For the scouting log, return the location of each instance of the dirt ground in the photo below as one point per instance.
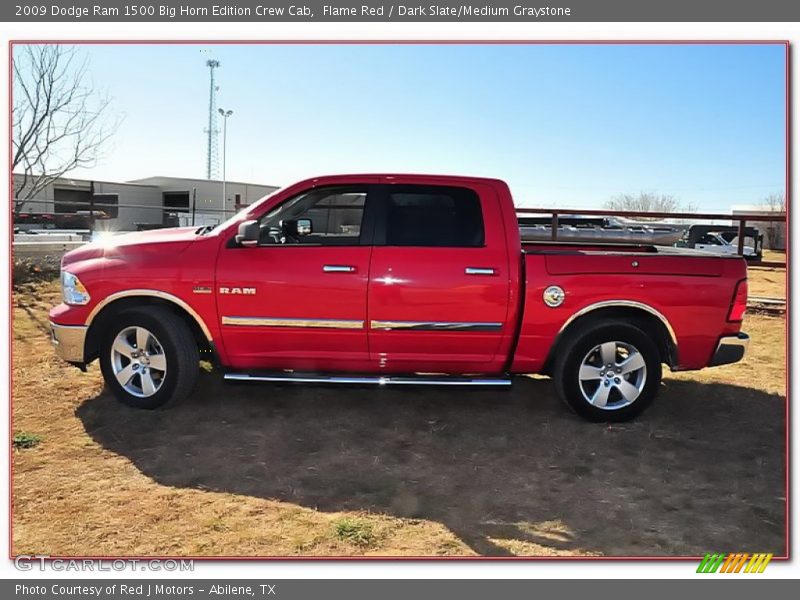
(274, 470)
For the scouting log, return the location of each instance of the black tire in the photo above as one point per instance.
(576, 347)
(179, 349)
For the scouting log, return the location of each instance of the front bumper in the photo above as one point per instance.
(730, 349)
(69, 341)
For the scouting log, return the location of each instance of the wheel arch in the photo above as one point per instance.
(101, 315)
(647, 318)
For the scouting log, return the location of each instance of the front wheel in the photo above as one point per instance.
(608, 372)
(149, 357)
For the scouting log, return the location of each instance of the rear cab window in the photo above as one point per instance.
(432, 216)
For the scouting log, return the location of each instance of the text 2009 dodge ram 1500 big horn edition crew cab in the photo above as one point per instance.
(395, 279)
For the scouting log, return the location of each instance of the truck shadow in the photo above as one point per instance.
(702, 470)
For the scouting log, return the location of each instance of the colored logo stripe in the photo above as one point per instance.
(734, 563)
(710, 563)
(758, 563)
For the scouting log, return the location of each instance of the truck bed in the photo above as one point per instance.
(689, 289)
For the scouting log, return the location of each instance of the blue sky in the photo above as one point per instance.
(565, 125)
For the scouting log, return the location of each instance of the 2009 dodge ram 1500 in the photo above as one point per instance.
(395, 279)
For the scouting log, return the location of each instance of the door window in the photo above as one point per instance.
(331, 216)
(433, 216)
(709, 240)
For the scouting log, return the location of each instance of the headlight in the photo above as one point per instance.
(72, 290)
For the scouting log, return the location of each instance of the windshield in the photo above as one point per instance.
(240, 216)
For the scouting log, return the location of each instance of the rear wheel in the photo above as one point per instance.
(149, 358)
(609, 372)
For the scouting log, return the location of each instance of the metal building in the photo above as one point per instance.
(130, 205)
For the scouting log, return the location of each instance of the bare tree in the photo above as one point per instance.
(648, 202)
(774, 230)
(59, 122)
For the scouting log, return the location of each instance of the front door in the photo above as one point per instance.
(299, 299)
(439, 280)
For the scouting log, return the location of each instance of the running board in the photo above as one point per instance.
(374, 380)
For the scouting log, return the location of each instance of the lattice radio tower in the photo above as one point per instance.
(212, 154)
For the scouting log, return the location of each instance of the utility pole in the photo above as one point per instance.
(91, 209)
(225, 114)
(212, 131)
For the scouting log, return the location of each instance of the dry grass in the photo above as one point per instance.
(775, 255)
(72, 497)
(283, 471)
(770, 283)
(765, 366)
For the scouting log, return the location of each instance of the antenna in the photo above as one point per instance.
(212, 154)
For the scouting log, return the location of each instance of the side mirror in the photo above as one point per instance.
(297, 227)
(249, 232)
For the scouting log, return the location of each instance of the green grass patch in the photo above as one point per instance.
(24, 440)
(355, 531)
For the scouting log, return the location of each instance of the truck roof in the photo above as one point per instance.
(402, 178)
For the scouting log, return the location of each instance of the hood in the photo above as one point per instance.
(156, 240)
(172, 234)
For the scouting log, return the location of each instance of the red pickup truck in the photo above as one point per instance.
(395, 279)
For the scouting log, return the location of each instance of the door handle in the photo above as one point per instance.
(479, 271)
(338, 269)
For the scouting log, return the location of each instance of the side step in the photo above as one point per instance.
(372, 379)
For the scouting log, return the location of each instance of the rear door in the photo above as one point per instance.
(439, 281)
